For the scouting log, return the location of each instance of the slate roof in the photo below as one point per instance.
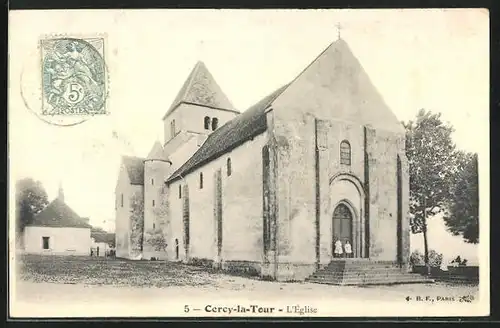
(156, 152)
(135, 169)
(246, 125)
(59, 215)
(201, 89)
(368, 105)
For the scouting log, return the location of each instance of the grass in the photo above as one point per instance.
(86, 270)
(107, 271)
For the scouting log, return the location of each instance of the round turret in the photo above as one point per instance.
(157, 168)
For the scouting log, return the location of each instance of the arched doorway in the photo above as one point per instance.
(342, 225)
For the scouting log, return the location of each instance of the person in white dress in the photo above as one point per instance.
(338, 248)
(348, 249)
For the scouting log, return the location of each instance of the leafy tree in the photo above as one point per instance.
(463, 216)
(432, 159)
(31, 199)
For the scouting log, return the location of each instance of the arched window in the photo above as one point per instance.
(122, 200)
(229, 169)
(152, 182)
(215, 123)
(153, 225)
(153, 203)
(172, 128)
(207, 123)
(201, 180)
(180, 191)
(345, 153)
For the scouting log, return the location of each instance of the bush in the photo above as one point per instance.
(156, 239)
(459, 261)
(435, 258)
(417, 258)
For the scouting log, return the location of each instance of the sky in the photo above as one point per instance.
(433, 59)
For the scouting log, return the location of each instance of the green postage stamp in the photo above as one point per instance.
(73, 77)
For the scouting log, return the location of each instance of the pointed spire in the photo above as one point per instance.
(201, 89)
(60, 192)
(156, 151)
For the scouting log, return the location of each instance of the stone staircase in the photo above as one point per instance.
(456, 279)
(364, 272)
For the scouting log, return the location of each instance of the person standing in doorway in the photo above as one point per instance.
(97, 251)
(338, 248)
(348, 249)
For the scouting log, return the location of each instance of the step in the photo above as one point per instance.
(378, 280)
(360, 270)
(371, 282)
(362, 264)
(447, 279)
(362, 274)
(403, 277)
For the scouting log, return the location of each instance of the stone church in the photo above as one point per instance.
(271, 189)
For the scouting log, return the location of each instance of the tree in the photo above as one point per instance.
(31, 199)
(463, 216)
(432, 160)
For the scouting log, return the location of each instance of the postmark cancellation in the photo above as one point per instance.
(74, 77)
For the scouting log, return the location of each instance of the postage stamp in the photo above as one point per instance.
(73, 77)
(285, 167)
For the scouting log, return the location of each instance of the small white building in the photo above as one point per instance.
(58, 230)
(102, 243)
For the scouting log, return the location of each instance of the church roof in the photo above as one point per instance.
(156, 151)
(201, 89)
(334, 71)
(135, 169)
(59, 215)
(238, 130)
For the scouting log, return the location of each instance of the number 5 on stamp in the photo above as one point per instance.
(73, 77)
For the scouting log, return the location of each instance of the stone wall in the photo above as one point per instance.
(62, 241)
(383, 149)
(175, 232)
(136, 200)
(123, 213)
(190, 117)
(332, 101)
(241, 206)
(155, 204)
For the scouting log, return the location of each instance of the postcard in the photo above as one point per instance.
(248, 163)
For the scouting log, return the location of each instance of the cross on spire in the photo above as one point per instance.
(339, 27)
